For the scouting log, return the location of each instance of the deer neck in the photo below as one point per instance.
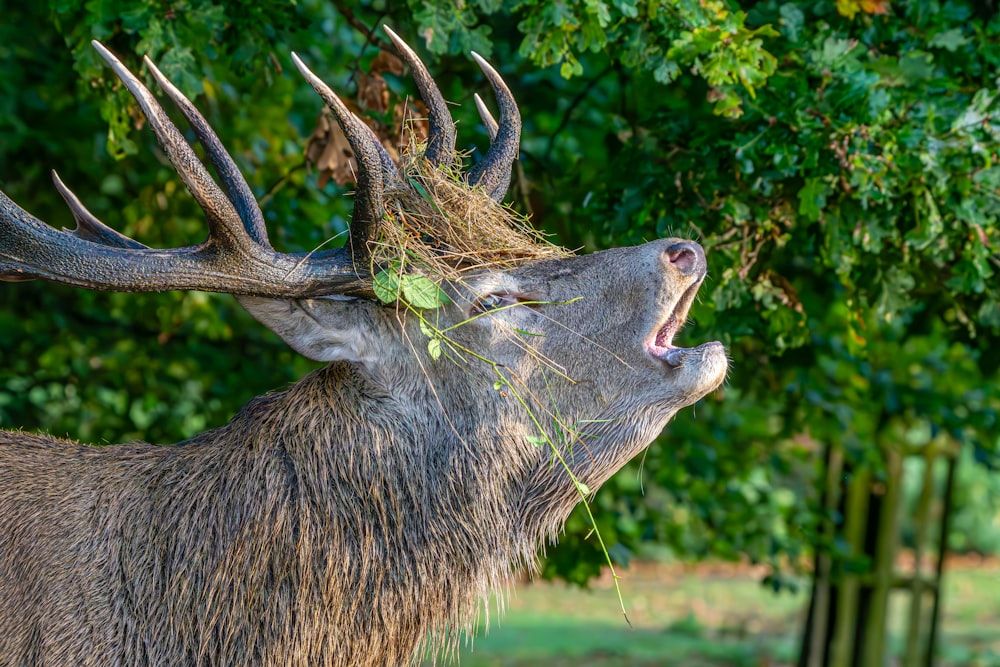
(379, 493)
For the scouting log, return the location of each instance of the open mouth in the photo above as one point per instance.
(661, 345)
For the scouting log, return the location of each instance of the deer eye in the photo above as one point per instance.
(494, 302)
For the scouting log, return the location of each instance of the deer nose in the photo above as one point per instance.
(686, 256)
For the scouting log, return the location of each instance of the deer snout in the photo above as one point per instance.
(687, 257)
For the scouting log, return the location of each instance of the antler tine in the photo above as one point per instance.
(493, 172)
(368, 206)
(88, 227)
(233, 183)
(488, 120)
(492, 128)
(441, 141)
(225, 225)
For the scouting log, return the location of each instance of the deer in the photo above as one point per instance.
(362, 516)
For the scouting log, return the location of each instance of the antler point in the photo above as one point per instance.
(104, 52)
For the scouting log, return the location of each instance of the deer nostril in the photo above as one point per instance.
(686, 256)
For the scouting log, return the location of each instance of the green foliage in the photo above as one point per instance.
(851, 218)
(449, 27)
(709, 38)
(419, 291)
(242, 33)
(841, 169)
(413, 291)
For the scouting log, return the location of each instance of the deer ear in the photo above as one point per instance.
(333, 328)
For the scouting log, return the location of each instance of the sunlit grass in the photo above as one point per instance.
(707, 616)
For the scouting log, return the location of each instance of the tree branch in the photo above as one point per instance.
(359, 25)
(580, 97)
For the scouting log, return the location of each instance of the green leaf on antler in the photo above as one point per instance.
(422, 292)
(386, 285)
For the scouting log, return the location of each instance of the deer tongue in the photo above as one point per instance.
(662, 346)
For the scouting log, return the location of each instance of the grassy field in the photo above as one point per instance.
(708, 616)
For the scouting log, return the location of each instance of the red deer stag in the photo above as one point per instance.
(360, 517)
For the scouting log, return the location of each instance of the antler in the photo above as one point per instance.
(236, 258)
(371, 158)
(493, 172)
(492, 129)
(441, 132)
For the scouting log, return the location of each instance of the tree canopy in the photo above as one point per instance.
(838, 160)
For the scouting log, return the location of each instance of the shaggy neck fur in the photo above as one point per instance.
(318, 527)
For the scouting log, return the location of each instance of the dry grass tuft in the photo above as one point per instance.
(437, 225)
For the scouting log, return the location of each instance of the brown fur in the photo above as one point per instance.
(362, 517)
(362, 514)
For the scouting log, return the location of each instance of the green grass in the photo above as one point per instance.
(971, 620)
(709, 616)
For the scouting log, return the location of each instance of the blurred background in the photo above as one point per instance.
(836, 503)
